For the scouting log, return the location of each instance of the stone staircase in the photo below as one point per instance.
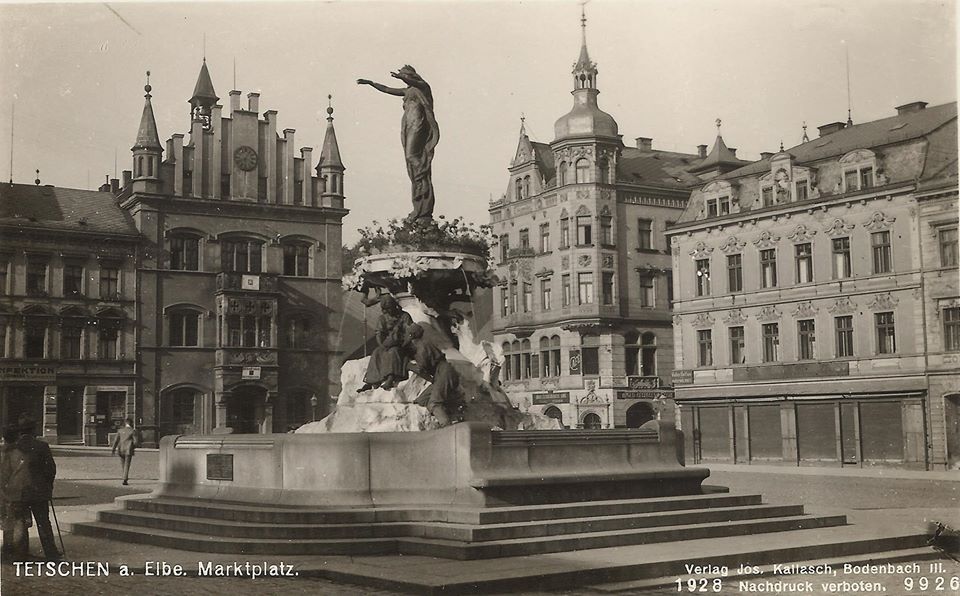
(451, 532)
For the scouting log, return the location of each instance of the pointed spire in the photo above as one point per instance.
(203, 90)
(720, 157)
(147, 136)
(523, 129)
(330, 152)
(584, 71)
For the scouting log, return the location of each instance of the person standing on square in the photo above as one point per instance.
(125, 443)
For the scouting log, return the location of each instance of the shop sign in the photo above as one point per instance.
(111, 388)
(540, 399)
(613, 382)
(646, 394)
(682, 376)
(27, 372)
(575, 362)
(250, 373)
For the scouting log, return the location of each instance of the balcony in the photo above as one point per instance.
(246, 282)
(246, 356)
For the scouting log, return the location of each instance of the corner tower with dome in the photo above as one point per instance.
(582, 309)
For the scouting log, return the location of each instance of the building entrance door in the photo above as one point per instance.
(245, 409)
(70, 415)
(951, 405)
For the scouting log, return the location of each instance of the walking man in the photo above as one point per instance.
(26, 477)
(125, 442)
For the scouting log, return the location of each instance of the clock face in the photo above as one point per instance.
(246, 158)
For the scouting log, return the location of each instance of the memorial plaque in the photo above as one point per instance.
(551, 398)
(220, 466)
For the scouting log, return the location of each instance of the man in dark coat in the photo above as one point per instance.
(125, 442)
(442, 398)
(26, 478)
(388, 363)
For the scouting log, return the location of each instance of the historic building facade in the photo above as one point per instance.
(815, 294)
(582, 311)
(68, 268)
(228, 299)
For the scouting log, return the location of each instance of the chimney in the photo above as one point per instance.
(105, 187)
(909, 108)
(253, 102)
(829, 129)
(234, 101)
(114, 185)
(127, 178)
(766, 154)
(701, 151)
(644, 143)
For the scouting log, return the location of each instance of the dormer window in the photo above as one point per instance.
(724, 205)
(712, 208)
(858, 170)
(526, 186)
(766, 196)
(801, 190)
(519, 189)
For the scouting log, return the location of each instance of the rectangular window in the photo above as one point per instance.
(850, 181)
(804, 259)
(504, 247)
(4, 267)
(36, 277)
(842, 265)
(3, 340)
(107, 344)
(844, 328)
(72, 279)
(504, 301)
(109, 282)
(806, 333)
(585, 288)
(771, 342)
(670, 288)
(514, 298)
(882, 262)
(723, 205)
(735, 273)
(801, 192)
(545, 238)
(703, 277)
(705, 347)
(712, 208)
(606, 231)
(296, 260)
(866, 178)
(886, 333)
(70, 342)
(249, 331)
(584, 230)
(564, 233)
(766, 196)
(607, 289)
(566, 291)
(647, 296)
(185, 254)
(948, 248)
(951, 329)
(524, 238)
(34, 340)
(644, 234)
(184, 329)
(768, 268)
(737, 346)
(527, 297)
(545, 294)
(591, 360)
(241, 256)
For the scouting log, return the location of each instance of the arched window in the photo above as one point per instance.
(507, 362)
(184, 327)
(632, 353)
(296, 259)
(583, 171)
(562, 174)
(526, 186)
(184, 252)
(604, 166)
(519, 189)
(545, 357)
(517, 356)
(150, 167)
(139, 166)
(555, 356)
(180, 411)
(241, 255)
(591, 421)
(555, 413)
(648, 354)
(527, 359)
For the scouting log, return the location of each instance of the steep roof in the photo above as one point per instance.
(204, 86)
(658, 168)
(147, 135)
(63, 209)
(896, 129)
(543, 155)
(330, 151)
(720, 157)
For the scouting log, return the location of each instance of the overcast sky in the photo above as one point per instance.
(668, 69)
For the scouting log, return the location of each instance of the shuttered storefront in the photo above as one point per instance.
(715, 433)
(766, 440)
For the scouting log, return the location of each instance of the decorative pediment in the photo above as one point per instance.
(766, 240)
(878, 221)
(804, 310)
(735, 317)
(732, 245)
(544, 272)
(701, 251)
(564, 214)
(703, 320)
(857, 156)
(801, 234)
(838, 228)
(883, 302)
(842, 306)
(605, 211)
(768, 313)
(582, 210)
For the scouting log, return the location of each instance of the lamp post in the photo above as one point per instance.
(313, 406)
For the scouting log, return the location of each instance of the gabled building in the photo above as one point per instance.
(814, 300)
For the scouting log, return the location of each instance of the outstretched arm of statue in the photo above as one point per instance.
(382, 88)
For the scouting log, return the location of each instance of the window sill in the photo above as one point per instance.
(653, 251)
(584, 245)
(608, 245)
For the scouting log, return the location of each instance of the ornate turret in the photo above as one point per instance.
(586, 118)
(147, 150)
(330, 167)
(204, 98)
(720, 160)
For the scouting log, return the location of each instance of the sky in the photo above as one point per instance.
(667, 70)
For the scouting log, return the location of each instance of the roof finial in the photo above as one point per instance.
(37, 181)
(805, 137)
(583, 22)
(781, 145)
(719, 122)
(523, 124)
(329, 108)
(846, 49)
(147, 87)
(204, 46)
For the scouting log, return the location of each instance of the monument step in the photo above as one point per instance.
(444, 530)
(243, 512)
(569, 542)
